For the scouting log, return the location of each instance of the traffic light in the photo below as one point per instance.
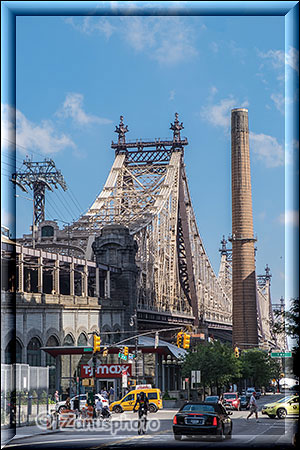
(105, 352)
(186, 340)
(179, 339)
(125, 351)
(236, 352)
(97, 342)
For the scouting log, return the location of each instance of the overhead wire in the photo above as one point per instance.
(71, 197)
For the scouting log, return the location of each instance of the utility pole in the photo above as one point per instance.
(38, 176)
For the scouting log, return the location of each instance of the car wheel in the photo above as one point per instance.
(177, 437)
(117, 409)
(152, 408)
(281, 413)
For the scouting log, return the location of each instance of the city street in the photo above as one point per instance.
(266, 433)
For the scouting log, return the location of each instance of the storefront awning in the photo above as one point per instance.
(68, 350)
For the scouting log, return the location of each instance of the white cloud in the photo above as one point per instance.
(172, 95)
(278, 58)
(290, 217)
(72, 107)
(279, 102)
(90, 25)
(219, 114)
(168, 40)
(266, 148)
(42, 137)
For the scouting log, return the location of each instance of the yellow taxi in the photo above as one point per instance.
(287, 406)
(128, 401)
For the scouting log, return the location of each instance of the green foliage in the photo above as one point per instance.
(259, 367)
(216, 361)
(166, 396)
(289, 323)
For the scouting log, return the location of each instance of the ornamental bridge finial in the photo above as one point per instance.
(176, 127)
(121, 130)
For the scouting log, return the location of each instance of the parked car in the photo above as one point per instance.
(287, 406)
(82, 402)
(250, 391)
(258, 393)
(212, 398)
(244, 402)
(232, 400)
(202, 419)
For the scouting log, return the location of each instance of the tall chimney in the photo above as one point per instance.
(244, 310)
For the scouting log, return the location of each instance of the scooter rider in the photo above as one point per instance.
(143, 404)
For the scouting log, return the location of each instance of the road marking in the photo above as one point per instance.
(121, 441)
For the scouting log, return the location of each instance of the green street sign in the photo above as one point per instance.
(88, 349)
(281, 354)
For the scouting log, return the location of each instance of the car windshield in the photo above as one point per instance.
(229, 396)
(212, 398)
(285, 399)
(243, 397)
(198, 408)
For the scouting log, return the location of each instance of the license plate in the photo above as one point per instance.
(194, 421)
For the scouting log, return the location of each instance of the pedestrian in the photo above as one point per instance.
(56, 396)
(99, 406)
(111, 394)
(253, 407)
(68, 403)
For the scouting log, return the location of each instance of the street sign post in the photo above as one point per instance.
(281, 354)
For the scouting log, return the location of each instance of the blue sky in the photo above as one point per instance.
(77, 75)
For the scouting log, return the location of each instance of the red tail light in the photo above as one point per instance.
(215, 422)
(175, 420)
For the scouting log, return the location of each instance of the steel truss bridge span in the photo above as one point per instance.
(147, 191)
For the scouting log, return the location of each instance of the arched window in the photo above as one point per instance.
(68, 340)
(51, 362)
(47, 231)
(13, 352)
(19, 358)
(82, 339)
(34, 352)
(51, 342)
(117, 335)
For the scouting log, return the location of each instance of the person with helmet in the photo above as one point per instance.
(143, 407)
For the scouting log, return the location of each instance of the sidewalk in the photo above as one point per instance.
(21, 432)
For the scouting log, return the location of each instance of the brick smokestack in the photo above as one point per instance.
(244, 314)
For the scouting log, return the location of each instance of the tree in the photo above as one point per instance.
(290, 326)
(217, 364)
(258, 367)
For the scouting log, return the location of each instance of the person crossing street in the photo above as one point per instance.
(253, 407)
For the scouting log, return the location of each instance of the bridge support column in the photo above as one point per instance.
(116, 247)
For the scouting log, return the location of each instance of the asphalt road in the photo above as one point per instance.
(122, 433)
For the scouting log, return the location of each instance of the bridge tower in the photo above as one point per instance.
(244, 298)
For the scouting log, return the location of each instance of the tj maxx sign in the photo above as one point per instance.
(105, 370)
